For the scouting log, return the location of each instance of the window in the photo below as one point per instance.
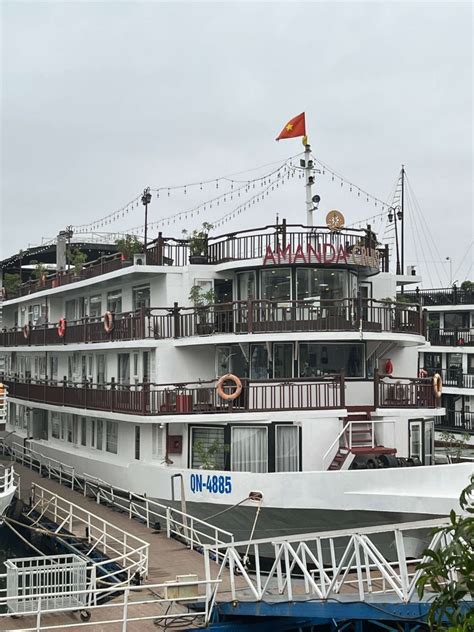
(75, 428)
(282, 360)
(249, 449)
(100, 367)
(140, 297)
(137, 443)
(454, 320)
(232, 359)
(319, 359)
(432, 362)
(245, 286)
(70, 310)
(55, 425)
(135, 367)
(111, 437)
(83, 430)
(42, 366)
(207, 448)
(95, 306)
(53, 367)
(323, 284)
(258, 362)
(276, 284)
(156, 441)
(421, 440)
(66, 428)
(114, 301)
(146, 366)
(99, 433)
(286, 449)
(470, 364)
(123, 373)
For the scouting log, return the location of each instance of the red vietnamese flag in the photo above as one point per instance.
(294, 128)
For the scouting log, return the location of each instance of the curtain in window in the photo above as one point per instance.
(286, 449)
(249, 450)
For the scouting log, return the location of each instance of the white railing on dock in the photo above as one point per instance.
(322, 565)
(191, 530)
(128, 552)
(160, 603)
(8, 479)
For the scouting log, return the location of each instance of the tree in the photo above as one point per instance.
(129, 246)
(449, 572)
(77, 259)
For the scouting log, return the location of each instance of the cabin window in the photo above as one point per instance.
(53, 368)
(111, 436)
(245, 285)
(99, 433)
(282, 360)
(323, 284)
(157, 441)
(95, 306)
(432, 362)
(320, 359)
(259, 362)
(55, 425)
(287, 449)
(232, 359)
(207, 448)
(249, 451)
(140, 297)
(114, 301)
(470, 364)
(100, 366)
(421, 440)
(453, 320)
(83, 430)
(123, 368)
(276, 284)
(66, 428)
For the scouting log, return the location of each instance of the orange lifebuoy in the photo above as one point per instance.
(26, 331)
(220, 387)
(437, 385)
(422, 373)
(108, 322)
(62, 327)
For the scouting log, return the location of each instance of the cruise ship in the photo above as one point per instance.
(269, 372)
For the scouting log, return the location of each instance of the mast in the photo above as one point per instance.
(402, 229)
(309, 181)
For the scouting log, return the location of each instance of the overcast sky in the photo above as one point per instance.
(100, 100)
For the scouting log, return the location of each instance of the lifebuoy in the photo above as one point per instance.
(388, 367)
(108, 322)
(437, 385)
(220, 387)
(62, 328)
(26, 331)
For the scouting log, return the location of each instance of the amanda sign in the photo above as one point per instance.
(325, 253)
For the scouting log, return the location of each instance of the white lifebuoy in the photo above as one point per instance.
(220, 387)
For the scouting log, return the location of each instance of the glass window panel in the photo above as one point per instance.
(71, 310)
(276, 284)
(111, 437)
(99, 433)
(282, 360)
(245, 285)
(123, 368)
(258, 362)
(207, 448)
(114, 301)
(456, 319)
(323, 284)
(55, 425)
(249, 449)
(432, 362)
(100, 363)
(83, 431)
(287, 449)
(318, 359)
(140, 297)
(157, 441)
(95, 306)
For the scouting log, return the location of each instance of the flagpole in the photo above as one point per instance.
(309, 181)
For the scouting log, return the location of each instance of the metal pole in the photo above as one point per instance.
(402, 231)
(146, 199)
(309, 180)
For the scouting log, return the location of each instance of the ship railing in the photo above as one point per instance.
(451, 336)
(441, 296)
(9, 479)
(404, 392)
(345, 437)
(51, 607)
(147, 398)
(126, 554)
(183, 526)
(325, 564)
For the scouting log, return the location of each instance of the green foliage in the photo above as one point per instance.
(449, 571)
(39, 271)
(454, 443)
(197, 240)
(467, 286)
(129, 246)
(11, 283)
(77, 259)
(200, 298)
(208, 456)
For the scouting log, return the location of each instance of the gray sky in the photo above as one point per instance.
(101, 99)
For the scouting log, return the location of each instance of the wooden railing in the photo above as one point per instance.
(401, 392)
(238, 317)
(359, 245)
(442, 296)
(455, 337)
(456, 420)
(185, 398)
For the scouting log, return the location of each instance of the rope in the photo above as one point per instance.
(18, 534)
(246, 556)
(224, 510)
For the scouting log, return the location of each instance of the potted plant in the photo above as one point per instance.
(129, 246)
(11, 283)
(39, 273)
(197, 241)
(208, 456)
(77, 259)
(202, 301)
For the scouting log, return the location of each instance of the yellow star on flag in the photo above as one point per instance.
(289, 127)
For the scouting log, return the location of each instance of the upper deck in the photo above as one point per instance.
(280, 244)
(441, 296)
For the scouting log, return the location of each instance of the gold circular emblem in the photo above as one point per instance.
(335, 220)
